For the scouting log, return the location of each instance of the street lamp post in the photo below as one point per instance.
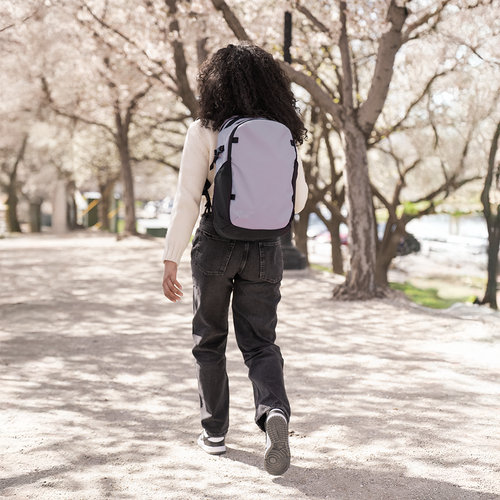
(292, 257)
(287, 42)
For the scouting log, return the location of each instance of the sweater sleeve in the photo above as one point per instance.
(301, 189)
(194, 169)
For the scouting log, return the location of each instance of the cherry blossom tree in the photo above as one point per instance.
(138, 42)
(19, 103)
(107, 91)
(363, 39)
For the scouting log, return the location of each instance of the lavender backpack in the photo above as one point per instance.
(254, 187)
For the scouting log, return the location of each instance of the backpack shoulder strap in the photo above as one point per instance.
(208, 203)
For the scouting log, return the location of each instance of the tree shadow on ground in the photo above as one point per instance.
(343, 483)
(99, 394)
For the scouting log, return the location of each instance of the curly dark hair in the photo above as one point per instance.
(245, 80)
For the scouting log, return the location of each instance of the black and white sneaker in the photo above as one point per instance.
(277, 455)
(212, 445)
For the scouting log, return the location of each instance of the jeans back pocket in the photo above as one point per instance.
(211, 253)
(271, 261)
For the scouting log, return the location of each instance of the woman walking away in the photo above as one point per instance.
(239, 82)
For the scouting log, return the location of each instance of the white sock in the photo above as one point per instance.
(213, 439)
(276, 411)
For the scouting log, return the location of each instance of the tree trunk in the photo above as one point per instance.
(201, 50)
(128, 190)
(490, 296)
(386, 252)
(127, 175)
(493, 223)
(12, 200)
(337, 259)
(360, 283)
(35, 216)
(72, 209)
(356, 125)
(300, 231)
(60, 207)
(300, 234)
(106, 191)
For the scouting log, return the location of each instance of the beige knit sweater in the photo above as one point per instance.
(197, 156)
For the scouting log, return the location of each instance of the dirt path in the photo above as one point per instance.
(98, 397)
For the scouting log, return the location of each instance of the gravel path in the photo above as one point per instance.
(98, 397)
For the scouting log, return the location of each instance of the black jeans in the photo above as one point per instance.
(251, 272)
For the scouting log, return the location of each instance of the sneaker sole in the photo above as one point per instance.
(211, 450)
(277, 457)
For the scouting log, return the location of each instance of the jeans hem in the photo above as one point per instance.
(210, 434)
(260, 419)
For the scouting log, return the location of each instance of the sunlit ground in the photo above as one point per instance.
(389, 400)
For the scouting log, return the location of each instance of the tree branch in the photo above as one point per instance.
(389, 45)
(157, 160)
(316, 22)
(334, 210)
(383, 199)
(184, 89)
(20, 156)
(448, 187)
(331, 157)
(181, 80)
(55, 109)
(27, 18)
(485, 194)
(133, 103)
(422, 20)
(396, 126)
(232, 21)
(114, 30)
(346, 62)
(321, 98)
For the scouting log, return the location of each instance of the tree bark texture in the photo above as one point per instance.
(128, 184)
(389, 44)
(72, 210)
(493, 264)
(231, 20)
(201, 50)
(122, 144)
(12, 201)
(493, 224)
(490, 296)
(183, 87)
(35, 216)
(60, 207)
(300, 231)
(386, 252)
(333, 226)
(336, 247)
(360, 282)
(12, 197)
(106, 191)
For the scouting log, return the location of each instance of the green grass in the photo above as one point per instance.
(427, 297)
(318, 267)
(120, 225)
